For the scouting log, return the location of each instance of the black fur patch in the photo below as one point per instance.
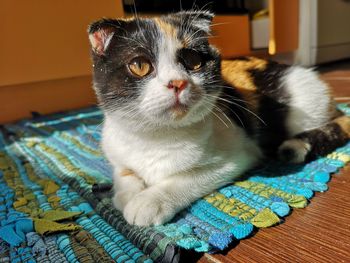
(273, 106)
(323, 140)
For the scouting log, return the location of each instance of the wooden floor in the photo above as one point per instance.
(318, 233)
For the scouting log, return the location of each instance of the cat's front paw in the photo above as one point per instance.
(127, 185)
(148, 208)
(121, 198)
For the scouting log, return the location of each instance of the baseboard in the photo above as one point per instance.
(331, 53)
(18, 101)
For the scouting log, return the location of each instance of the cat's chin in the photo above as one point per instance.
(182, 115)
(178, 111)
(174, 116)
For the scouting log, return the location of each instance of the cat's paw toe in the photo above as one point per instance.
(147, 209)
(293, 151)
(121, 198)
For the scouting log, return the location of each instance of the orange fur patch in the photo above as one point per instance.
(127, 172)
(344, 123)
(236, 72)
(167, 28)
(128, 18)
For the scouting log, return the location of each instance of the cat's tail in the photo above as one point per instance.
(311, 144)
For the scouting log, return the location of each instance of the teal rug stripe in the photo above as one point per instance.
(64, 149)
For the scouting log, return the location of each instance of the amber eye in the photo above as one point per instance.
(191, 59)
(140, 66)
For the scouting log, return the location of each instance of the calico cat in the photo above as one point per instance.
(180, 123)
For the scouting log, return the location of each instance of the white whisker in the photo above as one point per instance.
(242, 107)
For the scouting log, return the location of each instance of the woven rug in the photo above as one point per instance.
(55, 206)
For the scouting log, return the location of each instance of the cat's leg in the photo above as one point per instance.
(160, 202)
(313, 123)
(126, 185)
(316, 142)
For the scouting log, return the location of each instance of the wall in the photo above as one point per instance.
(333, 30)
(45, 42)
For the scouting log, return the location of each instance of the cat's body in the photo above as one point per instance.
(179, 123)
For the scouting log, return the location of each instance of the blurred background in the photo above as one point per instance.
(45, 62)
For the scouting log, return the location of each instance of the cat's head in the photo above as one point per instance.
(156, 71)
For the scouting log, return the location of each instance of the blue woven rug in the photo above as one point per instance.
(55, 205)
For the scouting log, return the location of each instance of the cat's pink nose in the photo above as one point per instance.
(178, 85)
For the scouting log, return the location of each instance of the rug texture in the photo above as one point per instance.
(55, 199)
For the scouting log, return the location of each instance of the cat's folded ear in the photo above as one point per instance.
(101, 33)
(199, 19)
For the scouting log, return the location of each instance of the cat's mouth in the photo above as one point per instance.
(179, 110)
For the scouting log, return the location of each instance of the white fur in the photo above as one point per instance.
(177, 165)
(310, 100)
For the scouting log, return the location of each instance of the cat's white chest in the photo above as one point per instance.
(164, 154)
(152, 158)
